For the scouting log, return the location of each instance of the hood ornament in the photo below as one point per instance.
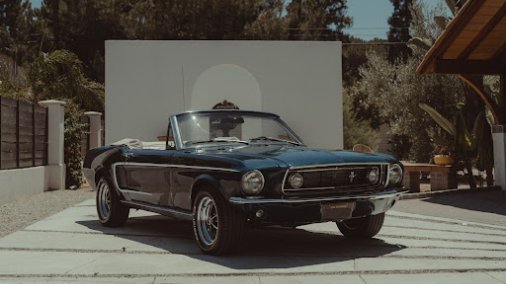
(352, 176)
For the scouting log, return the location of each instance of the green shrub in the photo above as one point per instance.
(356, 131)
(74, 130)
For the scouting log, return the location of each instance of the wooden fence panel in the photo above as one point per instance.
(40, 135)
(8, 134)
(23, 134)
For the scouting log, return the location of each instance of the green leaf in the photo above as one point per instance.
(464, 138)
(439, 119)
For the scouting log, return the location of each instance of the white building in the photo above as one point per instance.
(146, 81)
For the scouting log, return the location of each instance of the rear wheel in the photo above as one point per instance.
(364, 227)
(217, 226)
(111, 213)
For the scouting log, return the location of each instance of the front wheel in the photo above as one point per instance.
(111, 213)
(217, 226)
(364, 227)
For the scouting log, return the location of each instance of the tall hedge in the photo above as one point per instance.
(74, 131)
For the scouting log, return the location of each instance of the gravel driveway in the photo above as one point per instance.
(22, 212)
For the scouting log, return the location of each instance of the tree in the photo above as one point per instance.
(399, 29)
(269, 24)
(82, 27)
(59, 75)
(317, 20)
(356, 131)
(10, 11)
(19, 30)
(191, 19)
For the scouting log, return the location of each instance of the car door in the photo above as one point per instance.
(146, 174)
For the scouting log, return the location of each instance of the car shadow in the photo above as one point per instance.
(487, 201)
(261, 247)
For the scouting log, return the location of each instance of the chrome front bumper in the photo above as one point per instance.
(308, 209)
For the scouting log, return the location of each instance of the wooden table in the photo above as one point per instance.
(441, 177)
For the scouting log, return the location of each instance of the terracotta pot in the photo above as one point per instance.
(443, 160)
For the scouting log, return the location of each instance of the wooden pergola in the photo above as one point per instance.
(473, 43)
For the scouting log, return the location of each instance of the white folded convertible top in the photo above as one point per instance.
(138, 144)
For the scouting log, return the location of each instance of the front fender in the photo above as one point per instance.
(96, 160)
(204, 181)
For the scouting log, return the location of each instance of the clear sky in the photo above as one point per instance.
(369, 16)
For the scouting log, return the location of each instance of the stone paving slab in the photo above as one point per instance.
(62, 242)
(71, 247)
(455, 221)
(461, 278)
(392, 221)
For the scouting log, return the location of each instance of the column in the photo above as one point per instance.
(55, 136)
(95, 119)
(499, 139)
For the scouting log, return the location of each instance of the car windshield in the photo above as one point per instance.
(233, 127)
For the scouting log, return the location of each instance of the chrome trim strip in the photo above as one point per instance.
(227, 110)
(388, 176)
(334, 168)
(386, 195)
(135, 191)
(176, 133)
(322, 167)
(308, 189)
(336, 165)
(159, 209)
(174, 166)
(150, 165)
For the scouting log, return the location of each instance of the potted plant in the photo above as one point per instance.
(443, 156)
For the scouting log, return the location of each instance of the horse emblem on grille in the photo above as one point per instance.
(352, 176)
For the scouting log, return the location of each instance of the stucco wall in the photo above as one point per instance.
(22, 182)
(148, 80)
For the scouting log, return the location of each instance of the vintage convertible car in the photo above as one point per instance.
(224, 169)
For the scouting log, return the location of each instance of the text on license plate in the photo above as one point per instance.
(336, 211)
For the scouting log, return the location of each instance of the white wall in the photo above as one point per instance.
(22, 182)
(146, 81)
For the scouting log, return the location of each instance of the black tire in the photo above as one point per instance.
(228, 224)
(111, 213)
(365, 227)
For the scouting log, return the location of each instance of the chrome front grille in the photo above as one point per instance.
(349, 178)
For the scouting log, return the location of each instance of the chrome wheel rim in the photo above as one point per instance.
(207, 220)
(104, 200)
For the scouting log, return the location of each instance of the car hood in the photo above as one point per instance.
(262, 156)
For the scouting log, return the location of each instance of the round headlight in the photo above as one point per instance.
(252, 182)
(296, 180)
(373, 176)
(395, 174)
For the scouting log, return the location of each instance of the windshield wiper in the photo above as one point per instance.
(268, 138)
(217, 140)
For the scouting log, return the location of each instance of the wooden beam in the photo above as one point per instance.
(450, 34)
(500, 52)
(492, 23)
(484, 67)
(491, 105)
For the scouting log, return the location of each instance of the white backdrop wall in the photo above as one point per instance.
(146, 81)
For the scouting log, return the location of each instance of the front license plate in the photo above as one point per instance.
(337, 211)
